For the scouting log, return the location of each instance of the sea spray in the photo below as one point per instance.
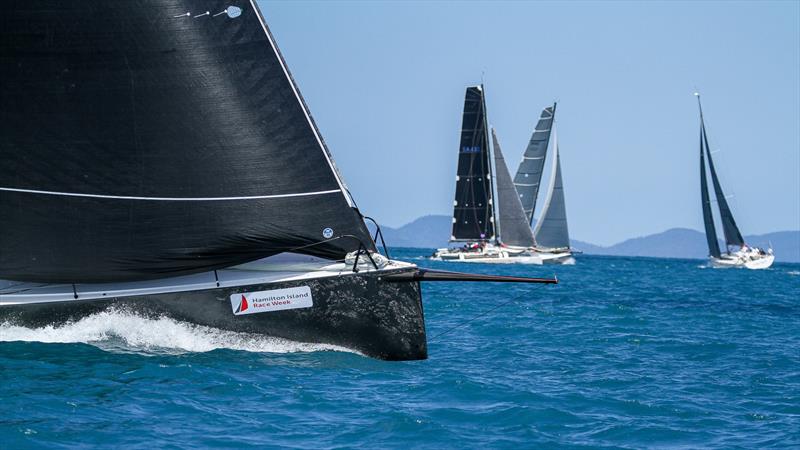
(160, 334)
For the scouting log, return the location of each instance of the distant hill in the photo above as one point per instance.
(434, 231)
(686, 243)
(673, 243)
(425, 232)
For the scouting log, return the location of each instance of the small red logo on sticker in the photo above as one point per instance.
(242, 305)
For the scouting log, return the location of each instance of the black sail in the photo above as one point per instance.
(512, 224)
(473, 216)
(529, 173)
(151, 138)
(708, 216)
(732, 234)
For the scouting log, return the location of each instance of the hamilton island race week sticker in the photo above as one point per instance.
(274, 300)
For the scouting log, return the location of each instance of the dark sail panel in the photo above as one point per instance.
(153, 138)
(708, 216)
(551, 230)
(512, 227)
(529, 173)
(473, 218)
(732, 234)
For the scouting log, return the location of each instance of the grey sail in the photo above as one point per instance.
(732, 234)
(513, 226)
(551, 230)
(529, 173)
(708, 217)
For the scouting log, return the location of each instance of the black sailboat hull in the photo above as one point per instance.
(357, 311)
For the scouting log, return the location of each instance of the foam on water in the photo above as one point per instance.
(160, 335)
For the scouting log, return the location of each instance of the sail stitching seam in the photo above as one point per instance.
(167, 199)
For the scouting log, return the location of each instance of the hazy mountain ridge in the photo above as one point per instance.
(433, 232)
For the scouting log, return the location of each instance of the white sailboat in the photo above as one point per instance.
(551, 233)
(738, 254)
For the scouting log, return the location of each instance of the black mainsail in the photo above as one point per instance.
(196, 151)
(708, 216)
(551, 231)
(529, 173)
(513, 227)
(473, 214)
(732, 234)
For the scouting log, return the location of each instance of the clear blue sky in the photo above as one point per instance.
(385, 82)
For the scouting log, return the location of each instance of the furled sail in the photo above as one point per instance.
(473, 216)
(512, 224)
(529, 173)
(551, 231)
(155, 138)
(708, 216)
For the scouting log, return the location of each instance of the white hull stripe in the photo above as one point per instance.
(167, 199)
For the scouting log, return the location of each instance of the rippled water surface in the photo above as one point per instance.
(624, 352)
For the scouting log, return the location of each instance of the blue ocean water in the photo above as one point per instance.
(623, 353)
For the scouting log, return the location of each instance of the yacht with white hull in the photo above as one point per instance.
(492, 227)
(551, 233)
(738, 254)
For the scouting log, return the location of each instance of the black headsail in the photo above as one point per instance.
(473, 215)
(512, 224)
(154, 138)
(529, 173)
(732, 234)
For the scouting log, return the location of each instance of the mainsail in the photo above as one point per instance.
(473, 215)
(551, 231)
(529, 173)
(512, 224)
(156, 138)
(732, 234)
(708, 216)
